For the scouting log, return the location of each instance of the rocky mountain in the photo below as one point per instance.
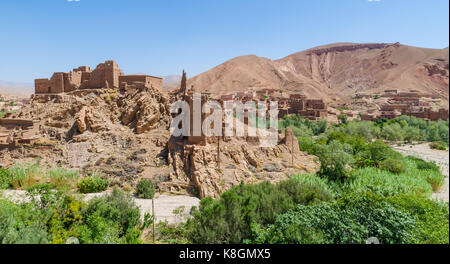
(335, 72)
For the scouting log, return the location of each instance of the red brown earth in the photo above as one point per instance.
(335, 72)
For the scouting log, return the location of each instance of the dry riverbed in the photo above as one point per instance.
(424, 152)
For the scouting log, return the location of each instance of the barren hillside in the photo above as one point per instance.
(335, 72)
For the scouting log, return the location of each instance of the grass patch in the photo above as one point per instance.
(22, 176)
(388, 184)
(61, 177)
(311, 179)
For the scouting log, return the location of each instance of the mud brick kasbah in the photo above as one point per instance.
(105, 75)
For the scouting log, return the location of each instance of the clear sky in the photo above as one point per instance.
(162, 37)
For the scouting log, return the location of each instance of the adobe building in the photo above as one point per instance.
(14, 132)
(105, 75)
(149, 81)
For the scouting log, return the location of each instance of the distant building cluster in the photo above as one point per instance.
(105, 75)
(406, 103)
(299, 104)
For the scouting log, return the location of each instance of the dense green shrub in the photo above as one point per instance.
(173, 234)
(364, 129)
(377, 152)
(117, 207)
(307, 144)
(343, 119)
(416, 129)
(52, 217)
(302, 126)
(92, 184)
(393, 132)
(413, 134)
(229, 218)
(438, 146)
(334, 160)
(352, 219)
(145, 189)
(21, 224)
(5, 181)
(393, 165)
(422, 164)
(432, 218)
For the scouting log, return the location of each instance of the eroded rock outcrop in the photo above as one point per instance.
(144, 108)
(213, 170)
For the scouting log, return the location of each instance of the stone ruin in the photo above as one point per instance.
(16, 132)
(105, 75)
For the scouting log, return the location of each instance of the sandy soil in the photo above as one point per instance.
(423, 151)
(164, 204)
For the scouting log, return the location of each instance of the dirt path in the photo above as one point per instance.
(164, 204)
(423, 151)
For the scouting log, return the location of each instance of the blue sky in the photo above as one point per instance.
(162, 37)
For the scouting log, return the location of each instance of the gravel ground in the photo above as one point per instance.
(164, 204)
(423, 151)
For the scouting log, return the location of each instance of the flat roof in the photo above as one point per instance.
(131, 75)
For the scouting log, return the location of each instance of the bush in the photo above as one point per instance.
(111, 217)
(393, 165)
(53, 217)
(343, 119)
(438, 146)
(21, 224)
(364, 129)
(229, 218)
(92, 184)
(307, 144)
(393, 132)
(432, 218)
(377, 152)
(421, 164)
(5, 181)
(352, 219)
(334, 159)
(145, 189)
